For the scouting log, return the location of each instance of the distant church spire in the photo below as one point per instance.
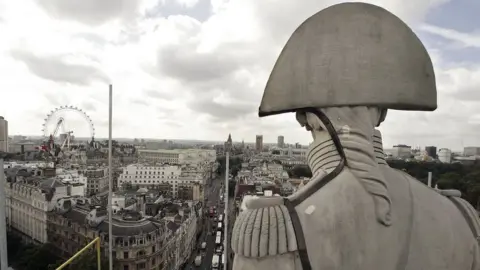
(228, 143)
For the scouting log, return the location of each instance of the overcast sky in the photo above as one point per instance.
(195, 69)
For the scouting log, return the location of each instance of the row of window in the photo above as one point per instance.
(148, 176)
(154, 172)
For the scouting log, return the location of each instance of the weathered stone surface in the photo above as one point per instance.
(348, 64)
(263, 231)
(378, 147)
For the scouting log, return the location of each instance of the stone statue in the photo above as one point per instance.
(340, 72)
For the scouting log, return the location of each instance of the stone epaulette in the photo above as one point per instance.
(263, 231)
(449, 193)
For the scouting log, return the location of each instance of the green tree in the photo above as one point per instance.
(471, 183)
(88, 261)
(450, 180)
(14, 247)
(231, 188)
(235, 164)
(35, 257)
(300, 171)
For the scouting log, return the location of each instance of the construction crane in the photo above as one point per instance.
(50, 144)
(53, 150)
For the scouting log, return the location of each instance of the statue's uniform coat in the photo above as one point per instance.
(427, 232)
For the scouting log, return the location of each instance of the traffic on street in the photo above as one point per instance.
(208, 253)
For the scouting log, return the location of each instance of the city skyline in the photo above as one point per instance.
(240, 141)
(196, 69)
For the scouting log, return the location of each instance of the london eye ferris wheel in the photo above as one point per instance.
(61, 120)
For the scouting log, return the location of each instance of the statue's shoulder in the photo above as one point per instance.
(264, 228)
(466, 209)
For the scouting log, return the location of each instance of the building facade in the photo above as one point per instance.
(97, 179)
(289, 152)
(27, 204)
(158, 243)
(431, 151)
(259, 143)
(178, 156)
(155, 177)
(401, 151)
(281, 142)
(445, 155)
(471, 151)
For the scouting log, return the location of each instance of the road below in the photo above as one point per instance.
(212, 195)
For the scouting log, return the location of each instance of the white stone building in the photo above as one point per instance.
(401, 151)
(178, 156)
(27, 205)
(22, 147)
(445, 155)
(144, 176)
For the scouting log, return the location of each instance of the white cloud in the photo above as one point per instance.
(462, 39)
(178, 77)
(187, 3)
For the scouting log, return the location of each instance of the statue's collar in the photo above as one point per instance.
(313, 187)
(378, 147)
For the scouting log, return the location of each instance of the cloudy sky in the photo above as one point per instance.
(195, 69)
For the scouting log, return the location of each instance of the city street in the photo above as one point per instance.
(212, 194)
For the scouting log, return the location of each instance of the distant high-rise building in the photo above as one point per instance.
(445, 155)
(3, 135)
(259, 143)
(402, 151)
(281, 141)
(471, 151)
(431, 151)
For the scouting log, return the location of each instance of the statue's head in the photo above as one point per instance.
(340, 71)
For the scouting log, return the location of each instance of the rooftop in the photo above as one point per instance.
(129, 222)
